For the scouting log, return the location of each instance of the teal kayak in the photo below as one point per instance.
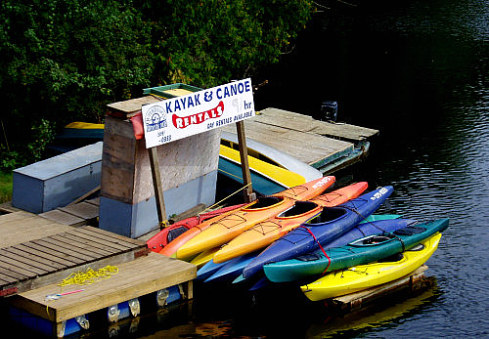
(361, 251)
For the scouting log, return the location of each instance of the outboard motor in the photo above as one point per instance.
(329, 110)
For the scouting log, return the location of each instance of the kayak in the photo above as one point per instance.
(325, 227)
(264, 233)
(361, 277)
(233, 268)
(261, 209)
(361, 251)
(216, 233)
(204, 257)
(162, 238)
(365, 228)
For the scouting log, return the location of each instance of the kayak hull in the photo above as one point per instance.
(264, 233)
(233, 224)
(162, 238)
(330, 224)
(361, 277)
(309, 189)
(352, 254)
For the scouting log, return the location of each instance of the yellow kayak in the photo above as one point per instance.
(217, 232)
(361, 277)
(204, 257)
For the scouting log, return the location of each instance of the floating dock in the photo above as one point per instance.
(326, 146)
(36, 254)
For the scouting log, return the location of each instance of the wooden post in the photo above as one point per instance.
(155, 172)
(245, 167)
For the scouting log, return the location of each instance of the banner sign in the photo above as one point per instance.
(198, 112)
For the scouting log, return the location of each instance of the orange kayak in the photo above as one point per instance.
(264, 233)
(257, 211)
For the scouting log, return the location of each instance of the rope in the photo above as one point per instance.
(225, 198)
(321, 247)
(89, 276)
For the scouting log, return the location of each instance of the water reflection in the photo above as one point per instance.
(389, 313)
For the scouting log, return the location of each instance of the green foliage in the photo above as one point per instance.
(208, 43)
(43, 134)
(65, 60)
(5, 187)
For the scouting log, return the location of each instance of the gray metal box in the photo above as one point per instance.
(57, 181)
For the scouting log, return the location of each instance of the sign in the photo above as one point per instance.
(198, 112)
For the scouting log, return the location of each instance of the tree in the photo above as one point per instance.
(64, 60)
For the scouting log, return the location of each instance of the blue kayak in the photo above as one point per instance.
(330, 224)
(374, 224)
(211, 271)
(361, 251)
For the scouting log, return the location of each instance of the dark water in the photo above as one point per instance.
(419, 72)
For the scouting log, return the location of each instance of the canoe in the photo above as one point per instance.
(264, 233)
(361, 277)
(257, 211)
(266, 178)
(162, 238)
(373, 225)
(226, 228)
(272, 155)
(358, 252)
(325, 227)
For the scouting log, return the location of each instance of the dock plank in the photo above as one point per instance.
(304, 123)
(136, 278)
(66, 241)
(64, 218)
(82, 210)
(307, 147)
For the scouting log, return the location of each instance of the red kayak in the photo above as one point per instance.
(162, 238)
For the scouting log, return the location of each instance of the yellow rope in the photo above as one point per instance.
(229, 196)
(90, 276)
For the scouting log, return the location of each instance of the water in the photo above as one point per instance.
(419, 72)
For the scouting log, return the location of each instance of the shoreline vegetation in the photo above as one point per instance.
(5, 187)
(51, 77)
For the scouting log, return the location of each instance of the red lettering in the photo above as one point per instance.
(198, 118)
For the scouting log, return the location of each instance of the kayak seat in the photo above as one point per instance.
(328, 214)
(172, 234)
(266, 202)
(300, 207)
(309, 257)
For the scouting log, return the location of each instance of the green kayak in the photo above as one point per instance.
(358, 252)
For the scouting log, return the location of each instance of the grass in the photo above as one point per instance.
(5, 187)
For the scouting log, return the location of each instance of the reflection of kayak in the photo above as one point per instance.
(325, 227)
(365, 320)
(359, 252)
(260, 209)
(264, 233)
(162, 238)
(362, 277)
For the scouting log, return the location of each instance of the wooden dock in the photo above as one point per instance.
(357, 300)
(134, 279)
(37, 254)
(326, 146)
(35, 251)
